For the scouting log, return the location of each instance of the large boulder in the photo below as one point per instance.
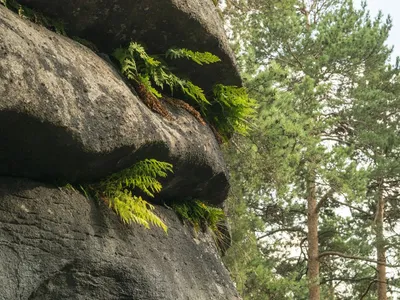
(67, 114)
(158, 24)
(56, 244)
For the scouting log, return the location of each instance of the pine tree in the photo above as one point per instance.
(309, 57)
(374, 118)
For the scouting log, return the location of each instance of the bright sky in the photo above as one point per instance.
(392, 8)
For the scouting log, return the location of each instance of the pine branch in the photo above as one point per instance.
(352, 207)
(334, 253)
(285, 229)
(354, 279)
(368, 288)
(324, 199)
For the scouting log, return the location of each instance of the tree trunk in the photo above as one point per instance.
(312, 236)
(380, 245)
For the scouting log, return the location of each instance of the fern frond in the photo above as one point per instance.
(134, 209)
(142, 175)
(116, 190)
(199, 214)
(145, 81)
(127, 63)
(150, 70)
(194, 92)
(137, 49)
(237, 109)
(198, 57)
(233, 111)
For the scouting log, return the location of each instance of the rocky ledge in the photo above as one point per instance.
(158, 24)
(67, 114)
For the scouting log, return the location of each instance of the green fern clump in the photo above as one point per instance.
(199, 214)
(237, 110)
(230, 109)
(146, 70)
(116, 190)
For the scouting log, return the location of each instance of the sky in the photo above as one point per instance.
(392, 8)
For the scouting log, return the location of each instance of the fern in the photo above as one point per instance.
(198, 57)
(199, 214)
(202, 216)
(134, 209)
(237, 110)
(116, 190)
(231, 108)
(147, 70)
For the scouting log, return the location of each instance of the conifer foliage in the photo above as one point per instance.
(320, 174)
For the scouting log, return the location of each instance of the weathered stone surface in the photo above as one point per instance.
(67, 114)
(56, 244)
(158, 24)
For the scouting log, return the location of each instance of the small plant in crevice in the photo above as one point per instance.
(238, 109)
(228, 109)
(146, 71)
(201, 217)
(117, 191)
(34, 16)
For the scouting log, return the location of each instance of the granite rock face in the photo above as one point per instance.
(67, 114)
(56, 244)
(158, 24)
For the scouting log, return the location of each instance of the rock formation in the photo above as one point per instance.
(56, 244)
(66, 114)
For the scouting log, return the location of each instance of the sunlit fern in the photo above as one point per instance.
(117, 191)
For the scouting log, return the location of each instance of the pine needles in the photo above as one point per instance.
(117, 191)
